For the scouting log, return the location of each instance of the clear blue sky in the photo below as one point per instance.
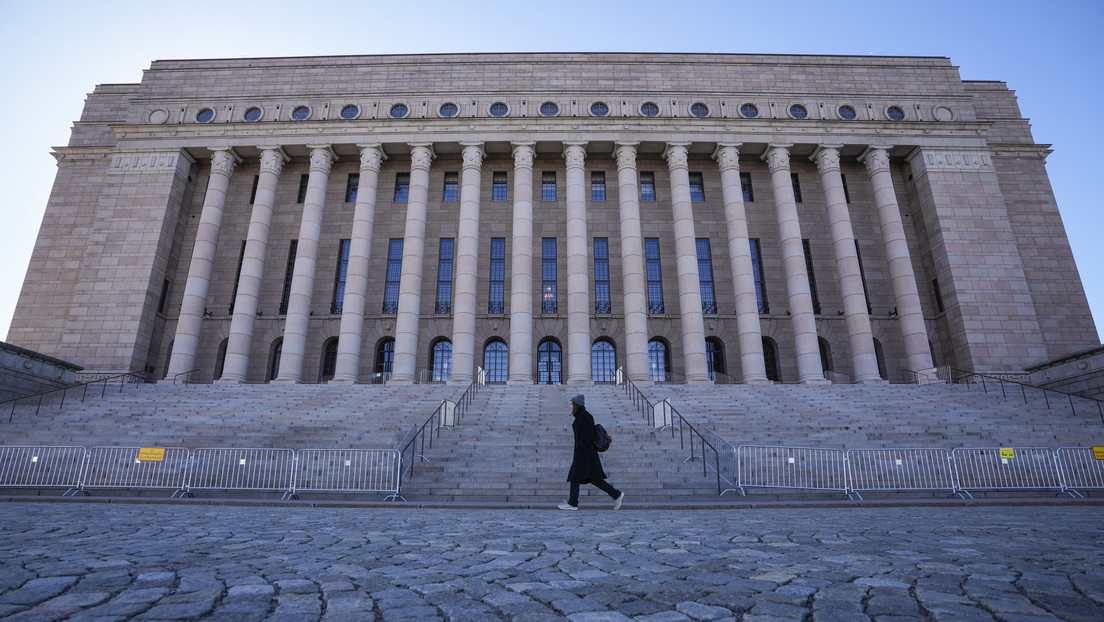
(1050, 53)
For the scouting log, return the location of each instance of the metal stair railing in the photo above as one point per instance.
(696, 437)
(419, 438)
(187, 376)
(642, 403)
(124, 378)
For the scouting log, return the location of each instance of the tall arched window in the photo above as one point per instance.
(549, 365)
(329, 359)
(880, 355)
(659, 363)
(825, 354)
(440, 361)
(385, 358)
(220, 358)
(770, 359)
(603, 361)
(495, 361)
(274, 358)
(714, 356)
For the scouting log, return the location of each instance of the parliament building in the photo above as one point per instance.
(553, 218)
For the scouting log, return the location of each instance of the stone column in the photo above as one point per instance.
(236, 364)
(578, 285)
(743, 277)
(467, 266)
(521, 269)
(408, 317)
(909, 313)
(347, 369)
(632, 265)
(686, 251)
(809, 368)
(194, 304)
(864, 362)
(306, 259)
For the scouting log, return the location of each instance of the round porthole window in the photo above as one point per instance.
(399, 111)
(252, 114)
(205, 115)
(549, 109)
(699, 110)
(895, 113)
(448, 110)
(301, 113)
(499, 109)
(599, 109)
(847, 113)
(749, 111)
(350, 112)
(798, 111)
(649, 109)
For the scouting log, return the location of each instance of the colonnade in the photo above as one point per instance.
(579, 310)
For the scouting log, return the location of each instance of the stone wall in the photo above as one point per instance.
(23, 372)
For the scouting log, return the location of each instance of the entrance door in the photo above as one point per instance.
(548, 363)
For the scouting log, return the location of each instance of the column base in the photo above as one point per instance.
(758, 381)
(285, 381)
(519, 382)
(403, 382)
(580, 383)
(459, 382)
(699, 381)
(225, 380)
(343, 380)
(816, 380)
(877, 380)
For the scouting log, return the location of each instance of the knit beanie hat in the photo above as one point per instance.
(580, 400)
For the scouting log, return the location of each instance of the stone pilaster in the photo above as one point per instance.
(346, 371)
(632, 265)
(686, 251)
(864, 362)
(193, 306)
(467, 265)
(408, 317)
(743, 277)
(521, 269)
(236, 362)
(809, 368)
(578, 284)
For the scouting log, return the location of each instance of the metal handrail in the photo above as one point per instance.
(187, 376)
(135, 378)
(416, 440)
(639, 400)
(684, 426)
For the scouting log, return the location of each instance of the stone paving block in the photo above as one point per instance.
(178, 611)
(251, 592)
(597, 616)
(698, 611)
(37, 590)
(79, 599)
(829, 614)
(42, 613)
(296, 586)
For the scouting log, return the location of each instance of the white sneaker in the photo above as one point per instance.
(618, 500)
(567, 506)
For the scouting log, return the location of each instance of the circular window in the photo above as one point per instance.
(895, 113)
(798, 111)
(599, 109)
(749, 111)
(846, 112)
(300, 113)
(398, 111)
(499, 109)
(205, 115)
(649, 109)
(350, 112)
(448, 110)
(699, 110)
(252, 114)
(549, 109)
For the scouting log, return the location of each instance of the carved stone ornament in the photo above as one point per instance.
(320, 159)
(272, 161)
(575, 156)
(828, 159)
(223, 162)
(523, 156)
(676, 156)
(626, 156)
(145, 162)
(876, 160)
(728, 159)
(473, 156)
(371, 157)
(420, 157)
(778, 159)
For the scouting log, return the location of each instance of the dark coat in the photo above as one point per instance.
(585, 464)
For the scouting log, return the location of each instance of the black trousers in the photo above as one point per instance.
(600, 484)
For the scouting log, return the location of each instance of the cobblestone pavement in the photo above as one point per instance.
(87, 561)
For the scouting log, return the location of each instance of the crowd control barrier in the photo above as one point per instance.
(806, 468)
(135, 468)
(41, 467)
(262, 470)
(1006, 468)
(898, 470)
(349, 470)
(1082, 468)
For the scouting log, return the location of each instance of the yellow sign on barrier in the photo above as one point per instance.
(1008, 452)
(151, 454)
(1098, 453)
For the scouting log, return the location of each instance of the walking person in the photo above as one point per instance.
(586, 467)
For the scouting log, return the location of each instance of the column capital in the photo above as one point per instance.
(777, 157)
(421, 155)
(371, 156)
(625, 152)
(473, 155)
(223, 161)
(876, 158)
(575, 154)
(523, 155)
(827, 158)
(321, 158)
(273, 159)
(676, 155)
(727, 156)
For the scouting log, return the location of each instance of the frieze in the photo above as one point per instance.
(146, 162)
(929, 160)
